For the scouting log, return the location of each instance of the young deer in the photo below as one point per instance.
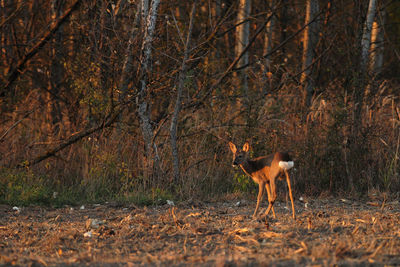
(264, 171)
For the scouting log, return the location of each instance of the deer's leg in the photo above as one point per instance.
(290, 192)
(267, 187)
(272, 198)
(259, 197)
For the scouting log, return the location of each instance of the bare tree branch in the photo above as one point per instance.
(178, 105)
(13, 74)
(71, 140)
(2, 137)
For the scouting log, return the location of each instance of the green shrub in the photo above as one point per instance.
(22, 187)
(243, 183)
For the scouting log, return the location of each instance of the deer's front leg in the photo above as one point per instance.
(261, 191)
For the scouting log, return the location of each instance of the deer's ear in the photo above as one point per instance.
(246, 147)
(232, 147)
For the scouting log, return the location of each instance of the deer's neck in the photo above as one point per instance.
(251, 166)
(247, 167)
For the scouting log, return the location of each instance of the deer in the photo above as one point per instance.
(264, 171)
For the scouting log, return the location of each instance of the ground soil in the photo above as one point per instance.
(325, 233)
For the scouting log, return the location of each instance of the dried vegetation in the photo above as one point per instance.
(326, 232)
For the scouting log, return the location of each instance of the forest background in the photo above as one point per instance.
(136, 100)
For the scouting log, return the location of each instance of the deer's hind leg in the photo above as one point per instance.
(272, 196)
(267, 187)
(290, 193)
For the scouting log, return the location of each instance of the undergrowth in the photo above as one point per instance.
(23, 188)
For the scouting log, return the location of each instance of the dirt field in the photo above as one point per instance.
(325, 233)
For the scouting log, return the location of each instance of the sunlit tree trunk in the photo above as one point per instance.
(377, 44)
(366, 36)
(242, 40)
(309, 42)
(243, 31)
(362, 89)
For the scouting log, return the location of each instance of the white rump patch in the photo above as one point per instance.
(286, 165)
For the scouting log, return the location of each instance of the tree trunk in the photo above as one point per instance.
(105, 52)
(144, 4)
(243, 31)
(268, 43)
(361, 89)
(376, 52)
(309, 42)
(377, 44)
(242, 40)
(56, 73)
(142, 99)
(282, 22)
(129, 56)
(181, 84)
(366, 36)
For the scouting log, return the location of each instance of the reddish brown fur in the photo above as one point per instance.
(264, 171)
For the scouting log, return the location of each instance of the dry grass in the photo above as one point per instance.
(327, 232)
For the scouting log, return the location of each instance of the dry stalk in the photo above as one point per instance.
(303, 248)
(177, 221)
(377, 249)
(248, 240)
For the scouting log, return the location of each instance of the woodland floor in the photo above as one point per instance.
(326, 232)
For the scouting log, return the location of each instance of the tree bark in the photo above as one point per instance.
(56, 73)
(142, 99)
(127, 67)
(144, 10)
(309, 42)
(361, 88)
(105, 50)
(242, 41)
(377, 44)
(243, 31)
(268, 43)
(366, 36)
(178, 105)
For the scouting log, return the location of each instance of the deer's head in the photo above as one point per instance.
(239, 155)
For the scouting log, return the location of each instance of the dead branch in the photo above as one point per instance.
(2, 137)
(13, 74)
(231, 67)
(71, 140)
(181, 84)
